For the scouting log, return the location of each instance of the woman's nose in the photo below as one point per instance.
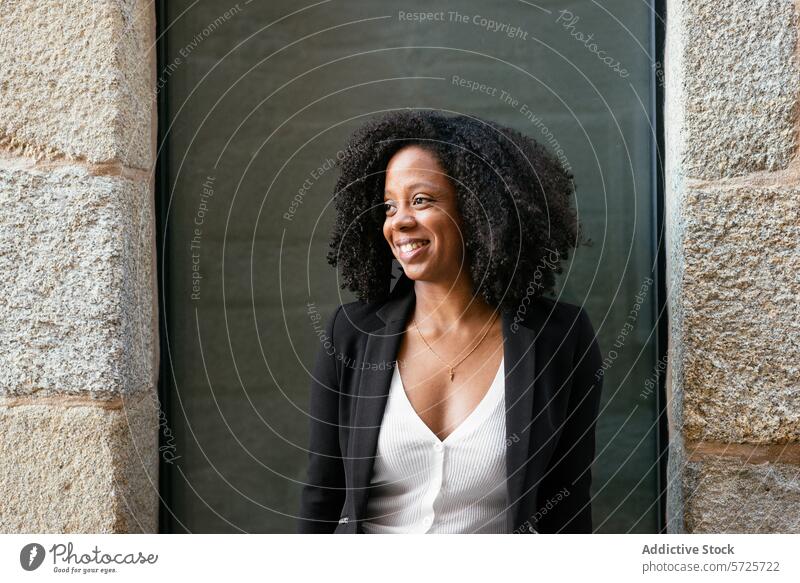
(404, 218)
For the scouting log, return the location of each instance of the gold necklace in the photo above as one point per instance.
(452, 367)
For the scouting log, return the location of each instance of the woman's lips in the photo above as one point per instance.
(411, 249)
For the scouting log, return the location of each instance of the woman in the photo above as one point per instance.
(461, 400)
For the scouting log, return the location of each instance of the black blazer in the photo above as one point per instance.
(552, 397)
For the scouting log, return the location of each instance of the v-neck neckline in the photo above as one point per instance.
(478, 413)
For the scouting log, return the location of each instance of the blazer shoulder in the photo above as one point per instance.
(550, 316)
(355, 318)
(565, 329)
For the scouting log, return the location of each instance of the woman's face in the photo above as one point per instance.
(422, 223)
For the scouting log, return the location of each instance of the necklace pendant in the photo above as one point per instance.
(452, 374)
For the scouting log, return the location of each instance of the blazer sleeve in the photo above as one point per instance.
(323, 494)
(564, 498)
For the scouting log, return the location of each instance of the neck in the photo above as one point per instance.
(443, 305)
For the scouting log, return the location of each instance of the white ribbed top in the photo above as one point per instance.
(421, 484)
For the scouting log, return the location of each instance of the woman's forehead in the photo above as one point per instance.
(414, 165)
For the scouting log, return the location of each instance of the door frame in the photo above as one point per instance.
(658, 24)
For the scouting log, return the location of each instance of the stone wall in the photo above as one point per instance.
(78, 329)
(733, 213)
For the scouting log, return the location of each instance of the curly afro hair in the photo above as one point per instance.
(513, 196)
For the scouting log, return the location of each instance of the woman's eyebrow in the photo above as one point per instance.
(414, 186)
(425, 185)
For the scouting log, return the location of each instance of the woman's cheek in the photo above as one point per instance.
(387, 233)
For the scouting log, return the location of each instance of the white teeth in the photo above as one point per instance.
(411, 246)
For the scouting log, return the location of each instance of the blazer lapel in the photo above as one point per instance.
(380, 355)
(519, 354)
(534, 416)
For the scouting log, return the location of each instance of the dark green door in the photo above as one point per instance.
(260, 97)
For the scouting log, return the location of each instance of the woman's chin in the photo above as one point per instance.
(415, 272)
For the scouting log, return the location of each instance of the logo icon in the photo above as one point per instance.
(31, 556)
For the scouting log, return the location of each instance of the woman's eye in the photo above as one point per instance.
(420, 200)
(389, 208)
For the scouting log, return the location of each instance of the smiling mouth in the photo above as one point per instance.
(413, 246)
(410, 249)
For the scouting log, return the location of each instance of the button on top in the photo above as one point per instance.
(438, 447)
